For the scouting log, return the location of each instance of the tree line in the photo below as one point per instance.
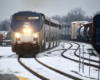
(76, 14)
(5, 25)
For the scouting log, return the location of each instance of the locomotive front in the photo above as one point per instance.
(25, 32)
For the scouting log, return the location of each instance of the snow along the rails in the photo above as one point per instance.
(55, 60)
(11, 66)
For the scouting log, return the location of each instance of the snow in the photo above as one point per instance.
(5, 51)
(86, 55)
(10, 65)
(43, 70)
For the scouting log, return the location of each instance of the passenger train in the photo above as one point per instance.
(33, 32)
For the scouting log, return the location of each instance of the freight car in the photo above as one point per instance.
(33, 32)
(65, 32)
(6, 37)
(75, 28)
(96, 32)
(1, 39)
(85, 32)
(78, 31)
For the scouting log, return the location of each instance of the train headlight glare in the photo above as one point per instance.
(35, 35)
(17, 35)
(27, 30)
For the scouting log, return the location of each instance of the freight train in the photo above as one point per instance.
(65, 32)
(6, 35)
(83, 31)
(5, 38)
(96, 32)
(1, 38)
(33, 32)
(77, 30)
(74, 32)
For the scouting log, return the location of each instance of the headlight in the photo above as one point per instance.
(27, 30)
(35, 35)
(17, 35)
(24, 31)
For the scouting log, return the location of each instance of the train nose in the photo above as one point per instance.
(26, 47)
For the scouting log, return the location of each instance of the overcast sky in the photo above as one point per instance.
(48, 7)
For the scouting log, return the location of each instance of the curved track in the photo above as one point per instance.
(85, 58)
(56, 70)
(77, 60)
(32, 71)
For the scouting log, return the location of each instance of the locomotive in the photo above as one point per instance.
(33, 32)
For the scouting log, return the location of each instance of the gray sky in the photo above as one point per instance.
(48, 7)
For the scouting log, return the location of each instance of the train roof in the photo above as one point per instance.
(24, 11)
(97, 15)
(88, 23)
(79, 22)
(1, 34)
(46, 17)
(52, 20)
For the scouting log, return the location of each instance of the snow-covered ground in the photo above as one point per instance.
(86, 55)
(10, 65)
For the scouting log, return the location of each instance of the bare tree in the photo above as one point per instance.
(5, 25)
(57, 17)
(76, 14)
(88, 18)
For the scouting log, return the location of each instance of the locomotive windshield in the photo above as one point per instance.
(20, 20)
(20, 17)
(33, 18)
(25, 18)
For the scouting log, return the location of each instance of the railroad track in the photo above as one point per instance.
(42, 77)
(56, 70)
(86, 58)
(32, 71)
(78, 56)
